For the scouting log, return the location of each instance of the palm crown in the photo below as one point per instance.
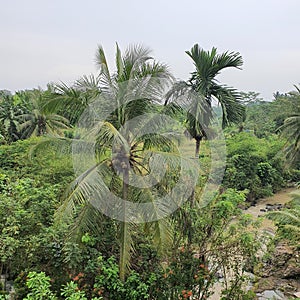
(202, 88)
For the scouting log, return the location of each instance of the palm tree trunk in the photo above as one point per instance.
(190, 221)
(197, 150)
(124, 227)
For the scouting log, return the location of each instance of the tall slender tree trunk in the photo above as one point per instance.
(192, 197)
(197, 150)
(190, 221)
(124, 227)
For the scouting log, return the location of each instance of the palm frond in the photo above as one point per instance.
(232, 109)
(285, 217)
(228, 59)
(291, 131)
(119, 62)
(58, 144)
(88, 219)
(85, 188)
(89, 85)
(293, 228)
(209, 63)
(162, 233)
(101, 62)
(179, 93)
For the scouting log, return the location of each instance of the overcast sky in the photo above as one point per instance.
(48, 41)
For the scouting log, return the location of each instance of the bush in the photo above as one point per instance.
(254, 164)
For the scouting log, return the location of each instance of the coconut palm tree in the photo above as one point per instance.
(291, 131)
(11, 108)
(9, 125)
(71, 101)
(38, 120)
(122, 110)
(203, 88)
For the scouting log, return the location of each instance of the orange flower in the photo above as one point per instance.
(202, 266)
(76, 278)
(80, 274)
(190, 293)
(171, 272)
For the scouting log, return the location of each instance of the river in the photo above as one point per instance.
(280, 197)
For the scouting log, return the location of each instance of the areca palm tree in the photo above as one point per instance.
(202, 88)
(116, 127)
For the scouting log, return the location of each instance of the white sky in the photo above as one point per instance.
(48, 41)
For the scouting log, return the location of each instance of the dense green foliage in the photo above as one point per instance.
(54, 244)
(30, 192)
(255, 164)
(263, 151)
(288, 221)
